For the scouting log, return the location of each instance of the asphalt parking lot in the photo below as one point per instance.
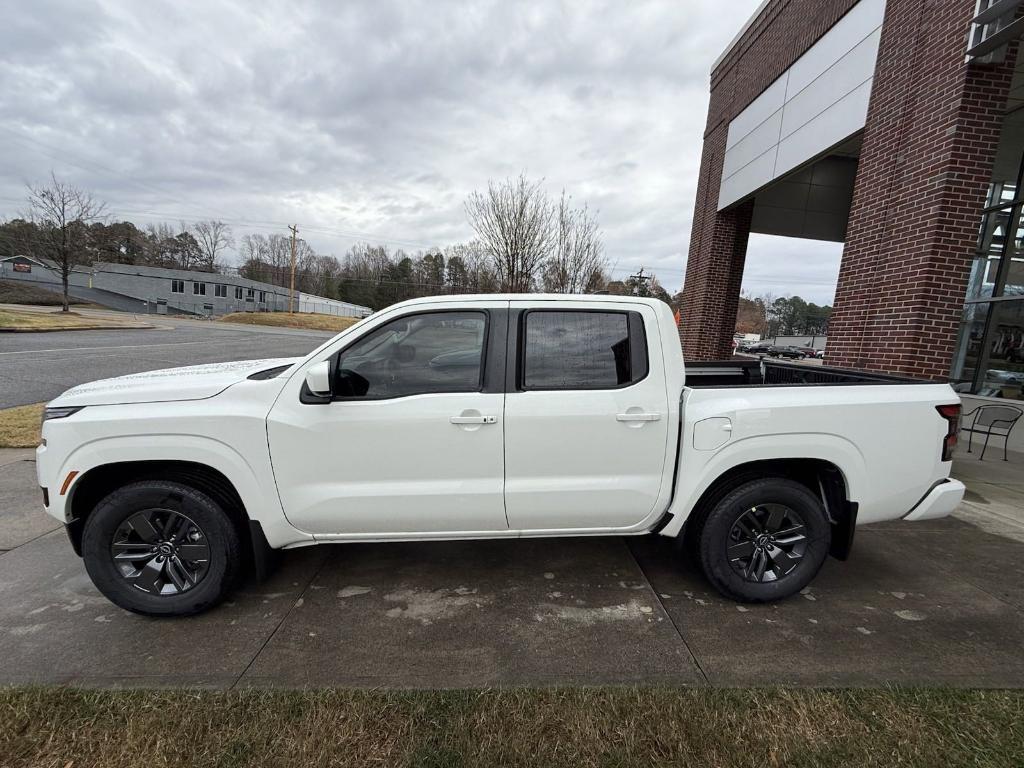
(919, 603)
(39, 366)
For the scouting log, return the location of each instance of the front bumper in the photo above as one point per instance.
(49, 480)
(938, 502)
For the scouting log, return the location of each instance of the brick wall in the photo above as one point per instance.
(932, 131)
(782, 32)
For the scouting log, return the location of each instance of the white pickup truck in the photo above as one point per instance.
(470, 417)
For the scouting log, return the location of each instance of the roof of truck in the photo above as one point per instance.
(601, 298)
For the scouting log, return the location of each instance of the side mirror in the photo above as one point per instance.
(318, 378)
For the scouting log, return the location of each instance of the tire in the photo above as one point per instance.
(744, 558)
(177, 551)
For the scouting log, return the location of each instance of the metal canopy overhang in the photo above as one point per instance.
(994, 25)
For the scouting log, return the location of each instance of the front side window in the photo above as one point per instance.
(220, 290)
(177, 286)
(199, 289)
(580, 350)
(238, 292)
(263, 295)
(420, 354)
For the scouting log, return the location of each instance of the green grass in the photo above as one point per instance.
(513, 727)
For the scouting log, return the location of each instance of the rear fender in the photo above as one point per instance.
(696, 476)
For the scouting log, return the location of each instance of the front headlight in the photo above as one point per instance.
(61, 413)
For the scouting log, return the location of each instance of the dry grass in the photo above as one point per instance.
(512, 727)
(19, 427)
(297, 320)
(13, 319)
(18, 292)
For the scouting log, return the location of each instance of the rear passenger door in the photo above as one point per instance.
(586, 417)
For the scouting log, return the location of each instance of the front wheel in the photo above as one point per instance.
(161, 548)
(764, 541)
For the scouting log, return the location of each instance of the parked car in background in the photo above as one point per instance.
(820, 354)
(792, 353)
(757, 348)
(484, 417)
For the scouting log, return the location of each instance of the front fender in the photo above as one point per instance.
(699, 469)
(255, 485)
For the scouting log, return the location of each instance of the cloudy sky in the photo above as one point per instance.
(374, 120)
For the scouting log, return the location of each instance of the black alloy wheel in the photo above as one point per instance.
(162, 548)
(161, 552)
(766, 542)
(763, 540)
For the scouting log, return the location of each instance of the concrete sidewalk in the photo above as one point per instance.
(939, 602)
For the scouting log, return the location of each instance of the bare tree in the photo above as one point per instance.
(513, 220)
(213, 237)
(577, 263)
(62, 213)
(266, 258)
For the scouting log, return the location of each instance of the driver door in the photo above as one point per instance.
(412, 439)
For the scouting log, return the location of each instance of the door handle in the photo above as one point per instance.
(637, 416)
(473, 419)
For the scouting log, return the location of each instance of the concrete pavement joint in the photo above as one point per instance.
(298, 602)
(661, 604)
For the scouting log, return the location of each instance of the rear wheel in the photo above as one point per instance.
(764, 541)
(161, 548)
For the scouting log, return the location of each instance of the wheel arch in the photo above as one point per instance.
(100, 481)
(820, 476)
(245, 482)
(97, 483)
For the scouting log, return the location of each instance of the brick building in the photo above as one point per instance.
(897, 128)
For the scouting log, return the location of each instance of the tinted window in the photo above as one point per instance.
(435, 352)
(577, 350)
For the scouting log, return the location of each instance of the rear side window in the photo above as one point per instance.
(582, 350)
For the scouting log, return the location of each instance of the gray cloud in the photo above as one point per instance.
(374, 120)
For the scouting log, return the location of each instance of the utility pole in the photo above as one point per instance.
(291, 294)
(640, 284)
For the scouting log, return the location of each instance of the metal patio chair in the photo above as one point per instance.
(990, 420)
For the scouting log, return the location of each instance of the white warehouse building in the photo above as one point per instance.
(137, 288)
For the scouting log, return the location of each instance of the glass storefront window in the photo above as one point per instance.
(1014, 285)
(989, 358)
(1001, 354)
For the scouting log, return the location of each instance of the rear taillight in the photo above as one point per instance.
(951, 413)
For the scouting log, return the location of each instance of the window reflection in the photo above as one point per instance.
(990, 350)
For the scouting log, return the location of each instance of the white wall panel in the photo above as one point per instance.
(845, 76)
(760, 109)
(751, 176)
(820, 101)
(753, 145)
(859, 22)
(838, 122)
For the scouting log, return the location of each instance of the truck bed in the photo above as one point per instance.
(765, 373)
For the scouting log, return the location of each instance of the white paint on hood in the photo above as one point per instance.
(194, 382)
